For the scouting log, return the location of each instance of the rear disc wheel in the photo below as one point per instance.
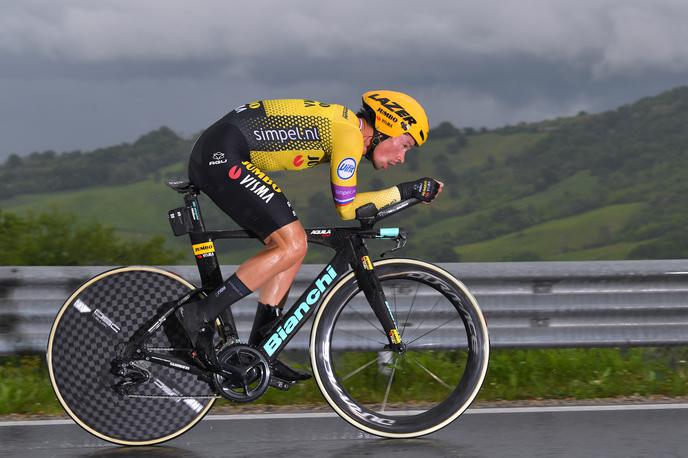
(98, 317)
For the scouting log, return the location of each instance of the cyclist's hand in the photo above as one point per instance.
(425, 189)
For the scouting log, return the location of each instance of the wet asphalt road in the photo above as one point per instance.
(611, 431)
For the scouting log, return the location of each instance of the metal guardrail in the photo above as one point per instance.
(542, 304)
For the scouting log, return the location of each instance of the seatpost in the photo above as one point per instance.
(206, 260)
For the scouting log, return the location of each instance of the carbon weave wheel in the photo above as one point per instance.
(101, 313)
(416, 392)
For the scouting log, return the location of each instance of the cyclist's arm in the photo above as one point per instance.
(346, 156)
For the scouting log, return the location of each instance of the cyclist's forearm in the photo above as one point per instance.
(380, 198)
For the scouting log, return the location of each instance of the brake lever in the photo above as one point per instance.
(401, 243)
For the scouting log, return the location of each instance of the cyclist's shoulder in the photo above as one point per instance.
(346, 130)
(294, 107)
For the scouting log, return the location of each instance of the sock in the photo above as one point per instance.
(265, 314)
(231, 291)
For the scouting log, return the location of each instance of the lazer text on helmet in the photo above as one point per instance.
(394, 107)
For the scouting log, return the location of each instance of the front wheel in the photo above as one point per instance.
(407, 394)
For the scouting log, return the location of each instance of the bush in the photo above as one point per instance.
(57, 239)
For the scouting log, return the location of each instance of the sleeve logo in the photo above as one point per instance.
(346, 168)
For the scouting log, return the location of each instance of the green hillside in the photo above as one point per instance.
(562, 238)
(602, 186)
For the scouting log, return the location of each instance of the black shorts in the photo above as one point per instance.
(220, 167)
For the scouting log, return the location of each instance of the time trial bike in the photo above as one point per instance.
(398, 347)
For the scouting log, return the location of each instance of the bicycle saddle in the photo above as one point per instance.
(183, 187)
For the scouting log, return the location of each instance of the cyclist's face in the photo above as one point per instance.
(392, 151)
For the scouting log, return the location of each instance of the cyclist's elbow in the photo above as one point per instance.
(346, 212)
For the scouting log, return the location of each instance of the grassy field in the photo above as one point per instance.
(499, 147)
(512, 375)
(549, 239)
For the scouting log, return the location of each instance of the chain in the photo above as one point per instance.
(174, 396)
(164, 396)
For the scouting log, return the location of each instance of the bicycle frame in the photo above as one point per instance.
(350, 252)
(349, 245)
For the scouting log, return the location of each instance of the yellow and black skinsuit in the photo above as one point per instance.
(231, 157)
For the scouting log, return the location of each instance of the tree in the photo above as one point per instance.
(444, 130)
(58, 239)
(13, 161)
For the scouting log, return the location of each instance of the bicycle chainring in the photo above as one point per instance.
(245, 373)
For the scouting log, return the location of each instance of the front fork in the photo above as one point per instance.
(370, 284)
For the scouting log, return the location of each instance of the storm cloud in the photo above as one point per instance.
(83, 74)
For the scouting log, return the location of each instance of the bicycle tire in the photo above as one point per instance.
(353, 382)
(103, 312)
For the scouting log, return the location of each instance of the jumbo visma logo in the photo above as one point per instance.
(304, 307)
(202, 248)
(260, 184)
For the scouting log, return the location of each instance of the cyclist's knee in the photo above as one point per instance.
(299, 247)
(295, 247)
(291, 242)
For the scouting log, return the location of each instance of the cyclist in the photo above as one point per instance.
(229, 161)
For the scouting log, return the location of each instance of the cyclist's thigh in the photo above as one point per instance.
(220, 167)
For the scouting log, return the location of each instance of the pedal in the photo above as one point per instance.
(282, 385)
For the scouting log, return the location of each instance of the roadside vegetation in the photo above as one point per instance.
(563, 374)
(57, 239)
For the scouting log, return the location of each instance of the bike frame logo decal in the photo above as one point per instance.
(367, 264)
(202, 248)
(303, 308)
(394, 336)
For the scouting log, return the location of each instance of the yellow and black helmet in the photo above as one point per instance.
(395, 113)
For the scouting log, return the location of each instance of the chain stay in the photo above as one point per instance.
(165, 396)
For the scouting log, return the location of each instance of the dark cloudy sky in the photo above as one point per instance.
(80, 74)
